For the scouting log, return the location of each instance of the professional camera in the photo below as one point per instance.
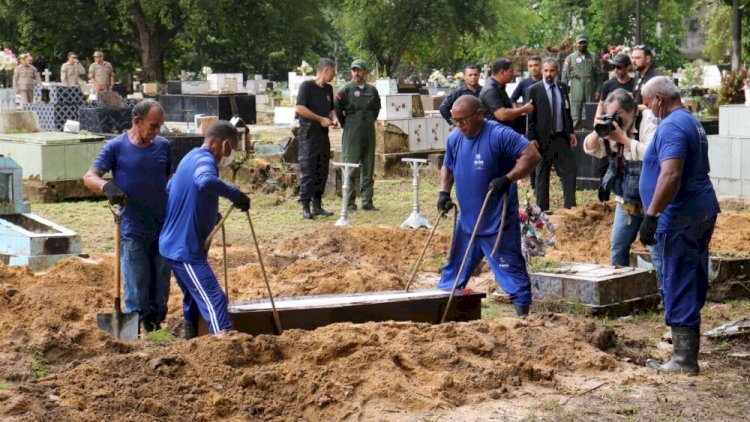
(604, 128)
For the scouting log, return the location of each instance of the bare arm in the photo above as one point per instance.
(506, 114)
(446, 179)
(667, 185)
(93, 179)
(529, 158)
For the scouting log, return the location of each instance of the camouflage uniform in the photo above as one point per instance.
(25, 77)
(103, 74)
(70, 74)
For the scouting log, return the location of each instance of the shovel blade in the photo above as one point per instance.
(122, 326)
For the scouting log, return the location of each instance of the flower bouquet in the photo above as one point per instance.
(8, 63)
(537, 231)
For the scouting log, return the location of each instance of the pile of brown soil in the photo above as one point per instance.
(583, 234)
(331, 373)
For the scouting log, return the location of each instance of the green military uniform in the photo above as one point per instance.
(581, 73)
(357, 108)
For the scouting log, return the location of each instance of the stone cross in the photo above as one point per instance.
(46, 74)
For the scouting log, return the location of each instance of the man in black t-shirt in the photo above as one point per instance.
(622, 79)
(495, 101)
(316, 114)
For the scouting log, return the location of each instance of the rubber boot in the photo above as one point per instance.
(306, 214)
(522, 311)
(686, 343)
(150, 324)
(191, 330)
(317, 207)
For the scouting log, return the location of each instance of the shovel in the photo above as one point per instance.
(122, 326)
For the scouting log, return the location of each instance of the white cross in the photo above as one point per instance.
(46, 74)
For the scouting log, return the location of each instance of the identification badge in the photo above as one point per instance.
(578, 59)
(357, 93)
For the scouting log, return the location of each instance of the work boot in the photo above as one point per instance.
(306, 214)
(369, 207)
(352, 208)
(686, 342)
(522, 311)
(150, 324)
(317, 208)
(191, 330)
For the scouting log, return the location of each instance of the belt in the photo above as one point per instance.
(559, 134)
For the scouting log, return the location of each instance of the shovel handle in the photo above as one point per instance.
(118, 237)
(220, 224)
(502, 225)
(421, 256)
(276, 319)
(466, 256)
(224, 261)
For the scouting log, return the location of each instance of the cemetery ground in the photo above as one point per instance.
(559, 364)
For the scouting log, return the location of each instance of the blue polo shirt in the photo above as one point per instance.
(475, 162)
(142, 173)
(192, 207)
(680, 136)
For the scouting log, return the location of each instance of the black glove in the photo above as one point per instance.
(500, 185)
(115, 195)
(243, 203)
(444, 203)
(603, 194)
(648, 230)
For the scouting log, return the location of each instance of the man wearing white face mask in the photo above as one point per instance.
(192, 210)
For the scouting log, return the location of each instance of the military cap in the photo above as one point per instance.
(582, 38)
(359, 64)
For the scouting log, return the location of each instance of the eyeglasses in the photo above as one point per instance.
(460, 121)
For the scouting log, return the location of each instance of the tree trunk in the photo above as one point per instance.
(151, 45)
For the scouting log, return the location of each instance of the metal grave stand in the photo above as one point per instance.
(416, 219)
(345, 169)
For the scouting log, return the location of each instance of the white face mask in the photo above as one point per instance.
(225, 161)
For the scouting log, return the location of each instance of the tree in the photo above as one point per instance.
(389, 31)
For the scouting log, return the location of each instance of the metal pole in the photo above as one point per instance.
(736, 36)
(415, 219)
(345, 169)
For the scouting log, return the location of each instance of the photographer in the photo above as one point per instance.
(613, 139)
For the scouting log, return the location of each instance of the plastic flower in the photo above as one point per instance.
(206, 70)
(305, 67)
(459, 75)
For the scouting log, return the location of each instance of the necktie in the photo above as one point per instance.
(553, 94)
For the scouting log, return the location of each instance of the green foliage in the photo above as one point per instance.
(163, 336)
(38, 366)
(732, 91)
(4, 385)
(718, 33)
(692, 75)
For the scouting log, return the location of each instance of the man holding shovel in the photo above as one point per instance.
(192, 210)
(141, 163)
(484, 159)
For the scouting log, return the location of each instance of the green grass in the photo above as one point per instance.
(492, 309)
(540, 264)
(163, 336)
(37, 365)
(4, 385)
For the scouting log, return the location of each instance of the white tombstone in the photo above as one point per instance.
(218, 81)
(7, 100)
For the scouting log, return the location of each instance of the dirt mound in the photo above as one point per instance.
(330, 373)
(583, 234)
(52, 314)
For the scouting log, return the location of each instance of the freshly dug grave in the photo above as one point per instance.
(331, 373)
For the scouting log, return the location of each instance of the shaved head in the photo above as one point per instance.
(468, 102)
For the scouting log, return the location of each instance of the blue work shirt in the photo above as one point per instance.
(445, 107)
(142, 173)
(193, 207)
(522, 91)
(475, 162)
(680, 136)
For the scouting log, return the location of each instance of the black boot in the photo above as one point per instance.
(317, 207)
(150, 324)
(686, 343)
(306, 214)
(522, 311)
(191, 330)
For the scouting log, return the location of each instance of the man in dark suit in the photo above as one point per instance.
(551, 130)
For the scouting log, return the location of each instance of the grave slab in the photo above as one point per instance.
(612, 290)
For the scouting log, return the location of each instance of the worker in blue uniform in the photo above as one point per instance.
(484, 155)
(192, 212)
(681, 209)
